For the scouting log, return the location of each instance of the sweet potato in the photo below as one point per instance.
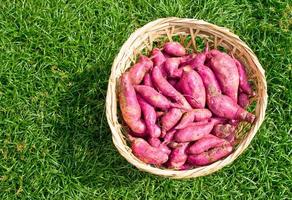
(148, 154)
(205, 143)
(231, 138)
(170, 65)
(153, 97)
(234, 122)
(138, 70)
(174, 49)
(210, 82)
(186, 166)
(193, 115)
(178, 156)
(167, 89)
(141, 135)
(223, 130)
(149, 116)
(243, 100)
(218, 120)
(193, 132)
(158, 58)
(164, 148)
(185, 60)
(147, 80)
(210, 156)
(193, 88)
(226, 72)
(243, 80)
(199, 59)
(129, 105)
(170, 119)
(224, 106)
(154, 142)
(169, 136)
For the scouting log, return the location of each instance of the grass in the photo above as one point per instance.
(55, 59)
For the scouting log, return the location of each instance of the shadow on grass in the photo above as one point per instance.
(87, 154)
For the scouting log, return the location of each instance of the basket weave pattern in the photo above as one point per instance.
(187, 30)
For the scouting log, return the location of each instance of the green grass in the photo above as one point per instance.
(55, 59)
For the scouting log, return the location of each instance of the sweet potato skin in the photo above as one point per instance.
(178, 156)
(193, 115)
(167, 89)
(193, 88)
(224, 106)
(205, 143)
(174, 49)
(170, 119)
(210, 156)
(148, 154)
(129, 105)
(227, 75)
(223, 130)
(150, 118)
(154, 142)
(147, 80)
(243, 80)
(138, 70)
(170, 65)
(210, 82)
(193, 132)
(243, 100)
(153, 97)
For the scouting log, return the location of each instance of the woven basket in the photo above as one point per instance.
(188, 32)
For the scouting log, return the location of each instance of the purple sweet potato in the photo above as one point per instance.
(170, 65)
(147, 80)
(193, 132)
(185, 60)
(243, 80)
(243, 100)
(169, 136)
(224, 106)
(138, 70)
(218, 120)
(153, 97)
(210, 82)
(193, 115)
(231, 138)
(174, 49)
(164, 148)
(193, 88)
(210, 156)
(205, 143)
(149, 115)
(148, 154)
(223, 130)
(170, 119)
(154, 142)
(198, 60)
(158, 58)
(167, 89)
(226, 73)
(178, 157)
(130, 108)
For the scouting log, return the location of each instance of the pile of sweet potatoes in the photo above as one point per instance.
(182, 110)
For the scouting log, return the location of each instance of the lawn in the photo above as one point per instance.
(55, 60)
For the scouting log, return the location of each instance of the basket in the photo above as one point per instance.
(188, 32)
